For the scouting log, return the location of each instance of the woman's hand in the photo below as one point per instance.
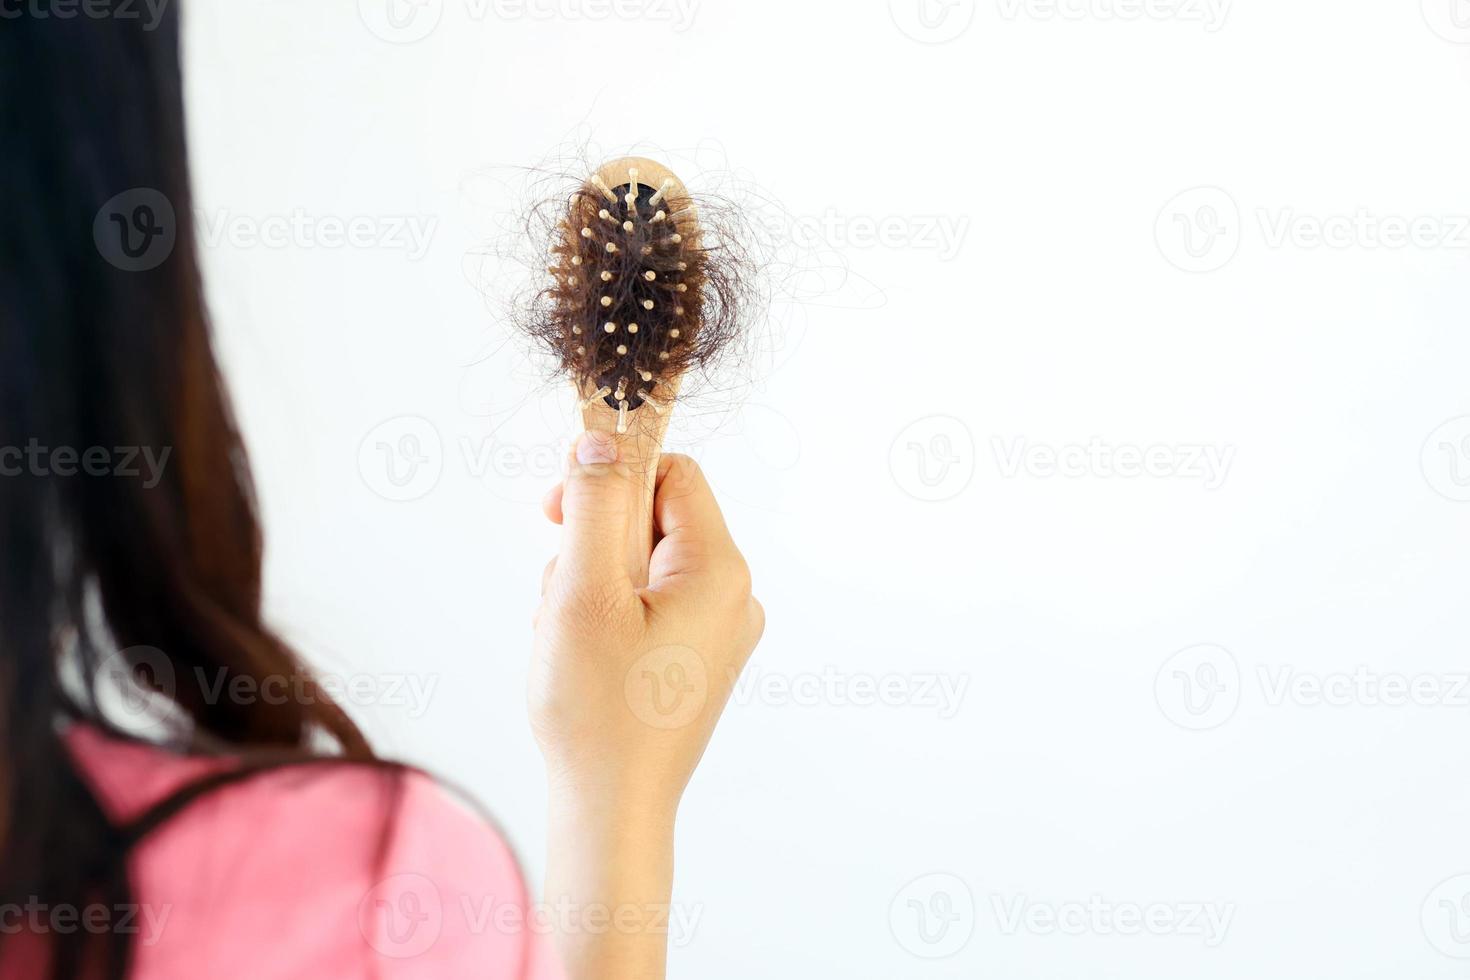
(627, 684)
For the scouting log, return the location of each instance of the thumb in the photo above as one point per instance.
(597, 512)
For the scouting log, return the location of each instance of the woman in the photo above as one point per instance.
(262, 837)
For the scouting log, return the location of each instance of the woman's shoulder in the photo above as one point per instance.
(312, 867)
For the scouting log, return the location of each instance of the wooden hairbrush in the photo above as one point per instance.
(625, 308)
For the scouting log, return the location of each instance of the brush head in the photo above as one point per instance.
(627, 294)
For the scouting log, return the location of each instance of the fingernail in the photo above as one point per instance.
(596, 447)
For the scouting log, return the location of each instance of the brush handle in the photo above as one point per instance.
(639, 449)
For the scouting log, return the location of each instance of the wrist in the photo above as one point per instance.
(610, 808)
(610, 855)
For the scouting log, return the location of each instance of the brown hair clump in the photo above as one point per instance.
(639, 290)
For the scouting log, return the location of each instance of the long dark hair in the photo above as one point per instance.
(105, 357)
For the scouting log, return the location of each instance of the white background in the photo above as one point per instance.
(1082, 298)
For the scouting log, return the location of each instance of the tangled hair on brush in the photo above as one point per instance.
(644, 284)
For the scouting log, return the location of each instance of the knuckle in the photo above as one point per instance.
(757, 622)
(600, 608)
(735, 576)
(590, 489)
(591, 473)
(683, 476)
(681, 465)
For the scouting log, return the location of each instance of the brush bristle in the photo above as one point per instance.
(628, 259)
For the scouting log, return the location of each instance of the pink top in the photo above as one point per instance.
(289, 874)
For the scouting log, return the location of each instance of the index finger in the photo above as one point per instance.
(693, 536)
